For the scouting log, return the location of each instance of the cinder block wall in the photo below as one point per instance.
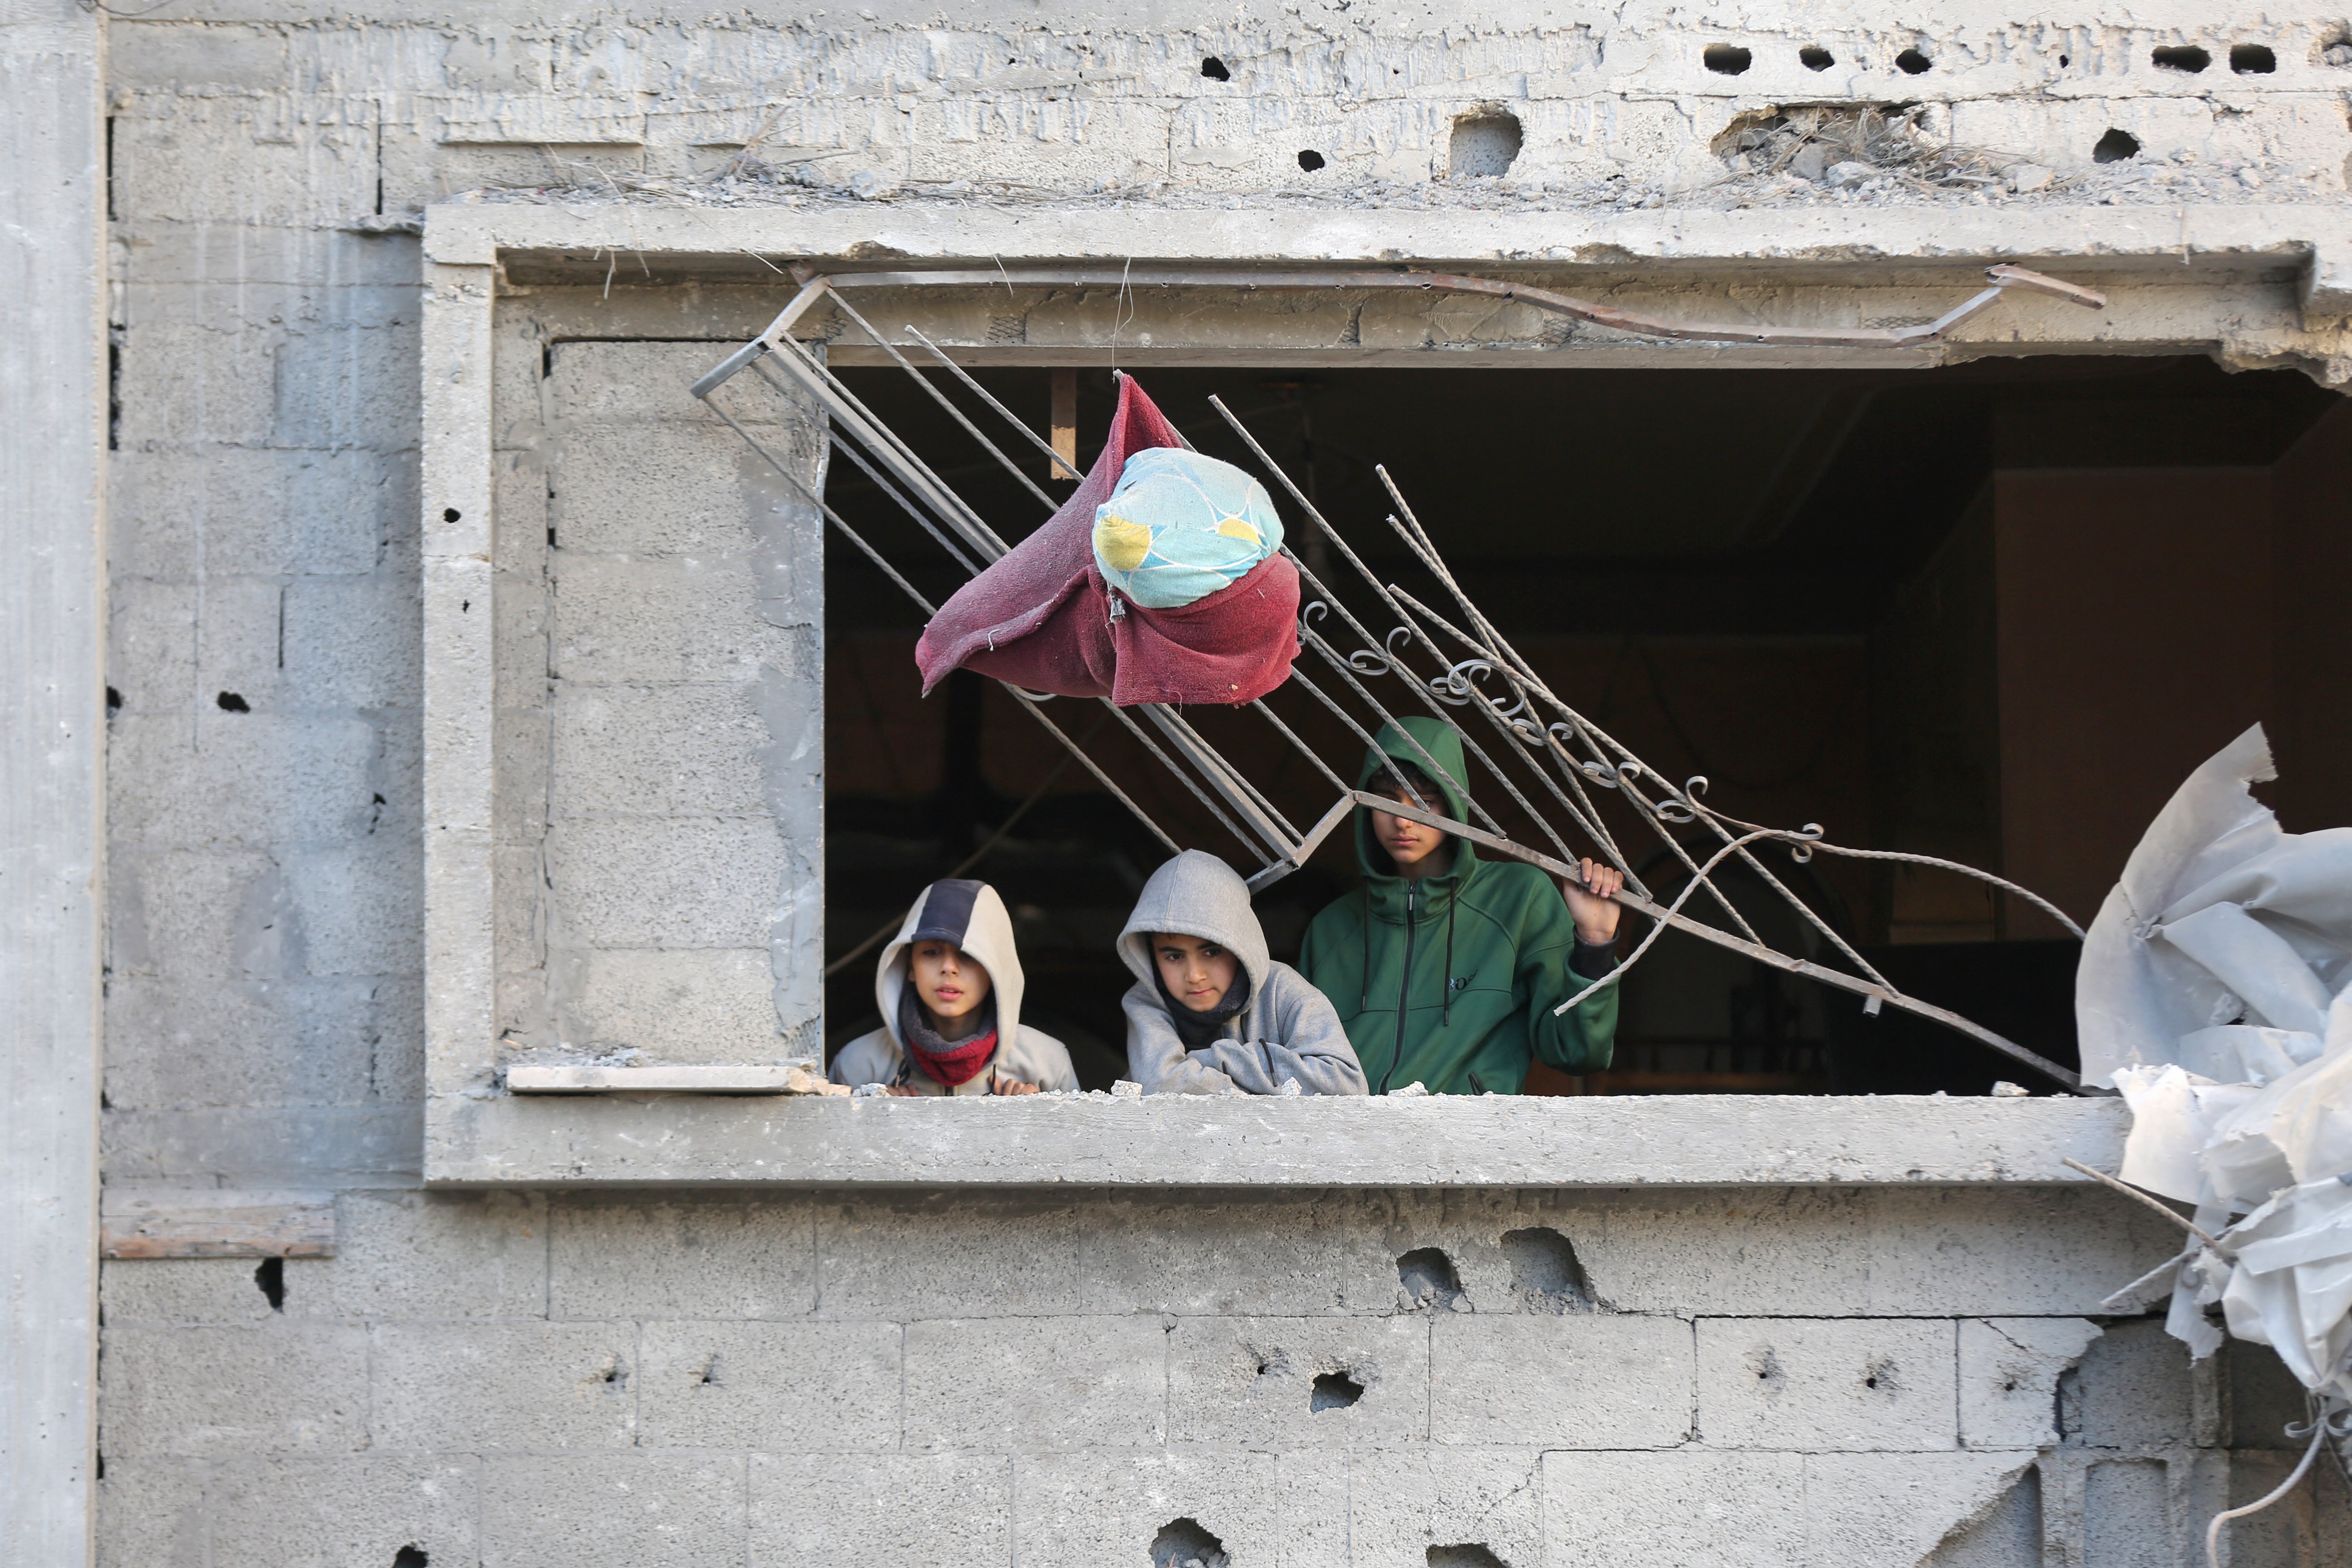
(1770, 1375)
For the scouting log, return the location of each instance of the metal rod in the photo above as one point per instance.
(1010, 418)
(889, 451)
(833, 516)
(1038, 712)
(2140, 1197)
(1419, 688)
(1181, 777)
(955, 552)
(1609, 316)
(942, 399)
(1304, 749)
(840, 418)
(1241, 781)
(1885, 993)
(1215, 769)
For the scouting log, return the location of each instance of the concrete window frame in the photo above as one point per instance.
(2252, 281)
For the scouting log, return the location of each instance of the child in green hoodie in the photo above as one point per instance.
(1445, 968)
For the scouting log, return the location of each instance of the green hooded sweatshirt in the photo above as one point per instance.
(1451, 981)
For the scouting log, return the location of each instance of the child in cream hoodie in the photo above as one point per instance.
(950, 986)
(1209, 1013)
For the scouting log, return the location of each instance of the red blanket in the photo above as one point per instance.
(1042, 618)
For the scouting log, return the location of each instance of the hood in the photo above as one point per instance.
(971, 916)
(1438, 739)
(1196, 894)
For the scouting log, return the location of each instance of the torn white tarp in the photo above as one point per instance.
(2213, 994)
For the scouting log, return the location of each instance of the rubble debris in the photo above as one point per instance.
(1846, 147)
(1182, 1544)
(2215, 993)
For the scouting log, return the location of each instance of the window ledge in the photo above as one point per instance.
(1178, 1141)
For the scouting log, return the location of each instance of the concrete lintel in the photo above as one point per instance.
(776, 1077)
(2092, 239)
(1181, 1141)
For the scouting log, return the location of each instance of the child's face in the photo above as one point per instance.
(949, 981)
(1409, 843)
(1197, 972)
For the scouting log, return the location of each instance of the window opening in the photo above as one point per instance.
(1438, 654)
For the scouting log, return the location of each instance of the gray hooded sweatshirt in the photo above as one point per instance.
(1288, 1030)
(971, 916)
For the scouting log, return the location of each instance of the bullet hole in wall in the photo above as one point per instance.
(2065, 60)
(1429, 1279)
(1814, 58)
(410, 1557)
(1333, 1391)
(450, 514)
(2253, 60)
(1214, 69)
(2114, 147)
(113, 701)
(1310, 160)
(1725, 59)
(1911, 62)
(271, 1277)
(1468, 1554)
(1182, 1544)
(1484, 144)
(1546, 1276)
(710, 1373)
(230, 702)
(2187, 57)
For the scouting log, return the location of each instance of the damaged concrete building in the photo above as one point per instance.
(406, 679)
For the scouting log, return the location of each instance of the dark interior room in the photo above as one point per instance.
(1993, 612)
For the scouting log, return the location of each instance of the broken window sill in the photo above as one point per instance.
(645, 1137)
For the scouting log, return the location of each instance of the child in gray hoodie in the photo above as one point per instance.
(1209, 1013)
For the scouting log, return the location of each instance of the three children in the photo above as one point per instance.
(1442, 969)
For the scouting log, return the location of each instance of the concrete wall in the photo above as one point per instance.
(660, 604)
(574, 1379)
(1770, 1376)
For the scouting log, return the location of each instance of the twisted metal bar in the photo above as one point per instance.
(985, 396)
(1517, 720)
(1029, 704)
(941, 399)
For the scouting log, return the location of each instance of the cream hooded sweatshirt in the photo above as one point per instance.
(1288, 1031)
(971, 916)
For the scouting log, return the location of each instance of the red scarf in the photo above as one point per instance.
(960, 1064)
(944, 1063)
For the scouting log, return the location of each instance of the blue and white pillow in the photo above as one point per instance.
(1181, 526)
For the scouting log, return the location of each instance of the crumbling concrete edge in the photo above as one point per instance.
(1181, 1141)
(2313, 244)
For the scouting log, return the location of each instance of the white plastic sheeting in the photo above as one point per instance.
(2216, 994)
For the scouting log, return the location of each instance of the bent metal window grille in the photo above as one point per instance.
(1576, 782)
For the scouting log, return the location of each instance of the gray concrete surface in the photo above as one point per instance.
(591, 1378)
(331, 502)
(52, 769)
